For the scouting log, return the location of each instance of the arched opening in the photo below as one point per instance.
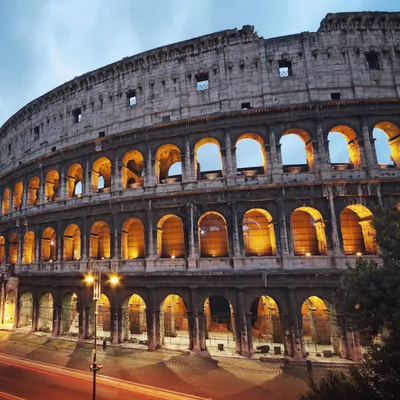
(207, 159)
(51, 186)
(33, 191)
(297, 151)
(46, 307)
(100, 241)
(319, 332)
(2, 247)
(17, 195)
(103, 319)
(74, 181)
(308, 232)
(387, 155)
(213, 235)
(358, 232)
(258, 233)
(25, 310)
(251, 157)
(70, 315)
(9, 310)
(337, 149)
(101, 175)
(170, 237)
(132, 239)
(72, 243)
(219, 323)
(132, 169)
(49, 245)
(134, 322)
(5, 204)
(265, 323)
(13, 249)
(29, 248)
(166, 156)
(174, 322)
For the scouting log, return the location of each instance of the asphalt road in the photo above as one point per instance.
(27, 382)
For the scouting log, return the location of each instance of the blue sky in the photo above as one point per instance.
(45, 43)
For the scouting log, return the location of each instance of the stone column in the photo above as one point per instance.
(24, 193)
(370, 157)
(37, 244)
(149, 178)
(322, 154)
(295, 327)
(151, 242)
(335, 233)
(353, 342)
(35, 314)
(87, 184)
(84, 238)
(246, 342)
(153, 322)
(57, 315)
(275, 156)
(283, 235)
(42, 186)
(229, 160)
(194, 322)
(59, 244)
(235, 237)
(116, 239)
(116, 183)
(20, 246)
(82, 326)
(202, 330)
(63, 182)
(192, 263)
(114, 315)
(187, 171)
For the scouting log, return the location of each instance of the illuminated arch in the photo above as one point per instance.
(25, 310)
(174, 321)
(358, 232)
(392, 132)
(33, 191)
(308, 232)
(213, 235)
(72, 243)
(29, 248)
(132, 239)
(9, 309)
(104, 317)
(132, 169)
(51, 185)
(48, 245)
(100, 241)
(45, 316)
(101, 173)
(308, 147)
(170, 237)
(166, 156)
(5, 204)
(257, 160)
(212, 155)
(134, 321)
(258, 233)
(74, 181)
(13, 248)
(265, 320)
(352, 144)
(70, 315)
(17, 195)
(2, 247)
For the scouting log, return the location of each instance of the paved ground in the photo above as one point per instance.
(217, 377)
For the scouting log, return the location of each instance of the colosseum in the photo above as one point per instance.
(107, 175)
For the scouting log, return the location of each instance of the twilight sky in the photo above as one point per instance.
(45, 43)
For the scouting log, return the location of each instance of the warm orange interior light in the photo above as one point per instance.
(308, 254)
(358, 254)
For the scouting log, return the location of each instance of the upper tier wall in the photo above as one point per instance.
(241, 68)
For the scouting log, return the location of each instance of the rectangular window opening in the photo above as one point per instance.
(9, 148)
(131, 95)
(166, 118)
(285, 68)
(102, 134)
(335, 96)
(77, 113)
(373, 60)
(36, 132)
(245, 106)
(202, 82)
(54, 148)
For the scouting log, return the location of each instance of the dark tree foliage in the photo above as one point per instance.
(372, 298)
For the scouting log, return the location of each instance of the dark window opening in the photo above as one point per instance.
(131, 95)
(77, 113)
(373, 60)
(335, 96)
(54, 148)
(202, 82)
(36, 132)
(102, 134)
(285, 68)
(9, 148)
(166, 118)
(245, 106)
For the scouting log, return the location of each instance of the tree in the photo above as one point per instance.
(371, 296)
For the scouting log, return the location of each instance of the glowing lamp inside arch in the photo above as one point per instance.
(213, 235)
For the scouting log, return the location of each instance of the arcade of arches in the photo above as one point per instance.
(214, 323)
(308, 237)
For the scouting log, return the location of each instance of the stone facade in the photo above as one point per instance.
(219, 88)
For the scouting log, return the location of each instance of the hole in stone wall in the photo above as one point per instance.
(36, 132)
(77, 114)
(131, 95)
(335, 96)
(102, 134)
(285, 68)
(245, 106)
(373, 60)
(202, 82)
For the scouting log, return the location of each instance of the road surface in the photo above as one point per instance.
(21, 379)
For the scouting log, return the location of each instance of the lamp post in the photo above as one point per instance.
(94, 278)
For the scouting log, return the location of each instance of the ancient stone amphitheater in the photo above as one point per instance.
(106, 174)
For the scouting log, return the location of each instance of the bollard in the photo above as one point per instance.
(309, 367)
(104, 344)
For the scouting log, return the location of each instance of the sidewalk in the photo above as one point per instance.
(211, 377)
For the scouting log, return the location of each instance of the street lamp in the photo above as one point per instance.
(94, 278)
